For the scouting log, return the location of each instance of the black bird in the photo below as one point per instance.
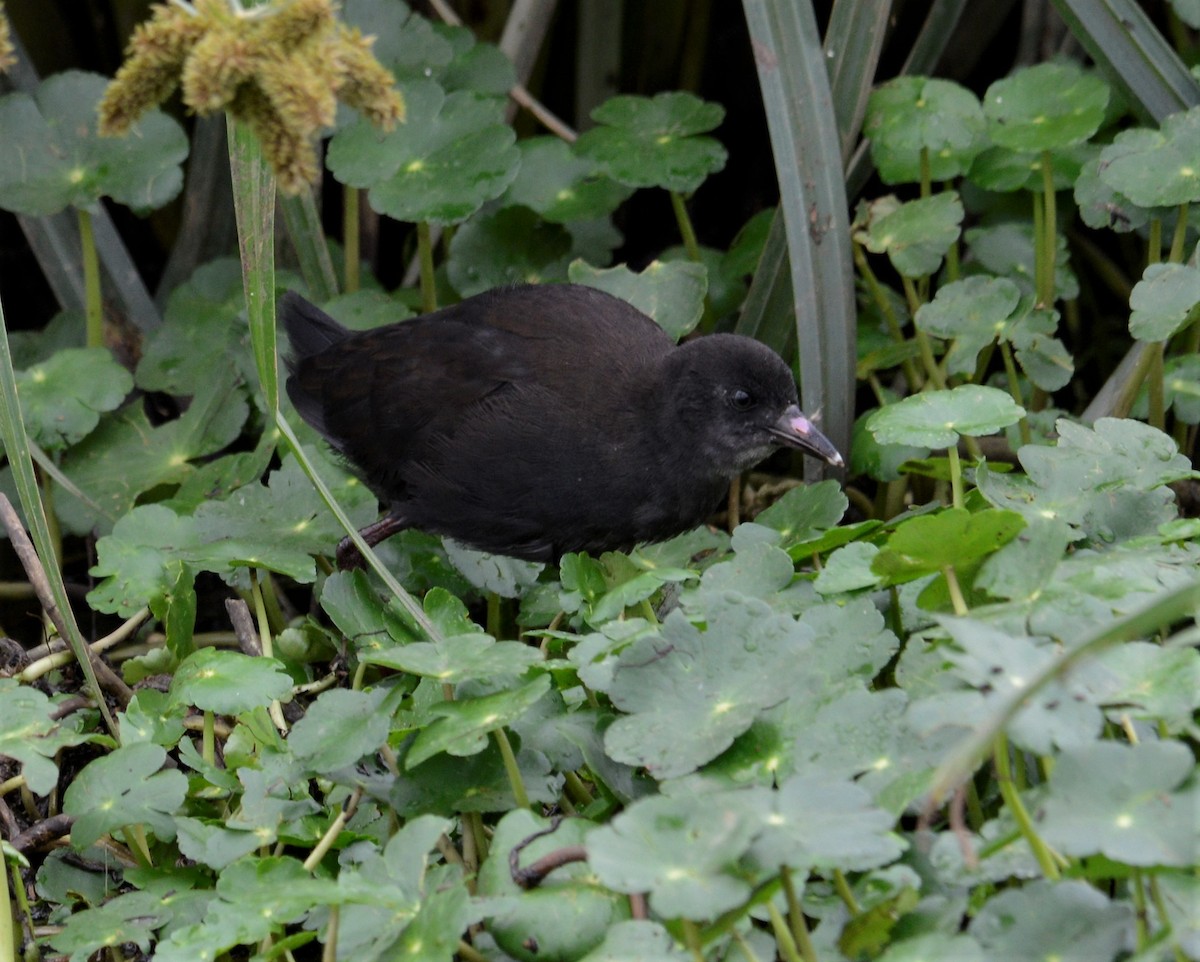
(537, 420)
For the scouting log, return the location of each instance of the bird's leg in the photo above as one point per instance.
(349, 557)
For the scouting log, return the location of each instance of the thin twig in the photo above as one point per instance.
(243, 626)
(41, 584)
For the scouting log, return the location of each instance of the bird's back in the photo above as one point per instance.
(510, 414)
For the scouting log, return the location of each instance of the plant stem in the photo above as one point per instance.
(209, 739)
(1049, 239)
(351, 255)
(1014, 388)
(783, 938)
(1012, 799)
(686, 230)
(93, 306)
(511, 769)
(1154, 242)
(798, 928)
(845, 893)
(1154, 385)
(956, 484)
(493, 615)
(915, 381)
(923, 343)
(1179, 236)
(425, 256)
(956, 595)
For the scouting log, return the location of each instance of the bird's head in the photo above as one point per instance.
(735, 398)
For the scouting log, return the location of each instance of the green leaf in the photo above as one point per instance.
(975, 312)
(1065, 921)
(507, 577)
(654, 142)
(908, 115)
(63, 397)
(278, 527)
(915, 235)
(125, 787)
(815, 821)
(671, 294)
(689, 693)
(359, 613)
(214, 845)
(1020, 570)
(1153, 683)
(936, 419)
(339, 728)
(30, 736)
(804, 513)
(459, 658)
(126, 455)
(680, 849)
(934, 945)
(1121, 801)
(508, 246)
(564, 917)
(203, 334)
(639, 939)
(1100, 206)
(1002, 170)
(1045, 106)
(51, 156)
(452, 155)
(228, 682)
(950, 538)
(1008, 250)
(129, 918)
(459, 727)
(1156, 168)
(1107, 482)
(561, 185)
(1164, 301)
(1181, 390)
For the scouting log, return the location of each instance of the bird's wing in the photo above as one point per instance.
(381, 396)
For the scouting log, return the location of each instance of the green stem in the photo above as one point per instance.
(686, 230)
(351, 255)
(955, 590)
(798, 927)
(425, 255)
(1154, 243)
(303, 222)
(8, 935)
(956, 480)
(577, 790)
(1012, 799)
(1014, 388)
(926, 174)
(1136, 881)
(1180, 236)
(915, 381)
(783, 938)
(511, 769)
(924, 345)
(691, 938)
(845, 893)
(493, 615)
(209, 740)
(93, 306)
(1154, 385)
(1039, 232)
(47, 490)
(1049, 240)
(1133, 383)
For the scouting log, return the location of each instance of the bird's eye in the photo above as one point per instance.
(741, 400)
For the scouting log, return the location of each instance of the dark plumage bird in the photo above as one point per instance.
(533, 421)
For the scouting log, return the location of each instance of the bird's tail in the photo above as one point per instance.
(309, 329)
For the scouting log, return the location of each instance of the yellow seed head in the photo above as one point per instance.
(154, 58)
(8, 55)
(368, 86)
(224, 59)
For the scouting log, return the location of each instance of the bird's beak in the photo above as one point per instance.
(796, 431)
